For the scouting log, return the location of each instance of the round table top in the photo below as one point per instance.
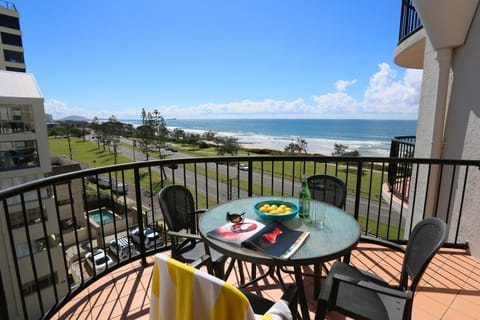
(337, 238)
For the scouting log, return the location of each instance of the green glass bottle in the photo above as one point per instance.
(304, 201)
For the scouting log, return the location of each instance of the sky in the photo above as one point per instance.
(219, 59)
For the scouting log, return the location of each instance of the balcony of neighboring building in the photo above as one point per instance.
(9, 17)
(411, 43)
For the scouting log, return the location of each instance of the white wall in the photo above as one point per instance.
(462, 131)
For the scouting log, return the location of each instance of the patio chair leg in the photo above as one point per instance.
(240, 271)
(280, 279)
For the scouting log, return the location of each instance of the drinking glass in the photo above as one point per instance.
(319, 216)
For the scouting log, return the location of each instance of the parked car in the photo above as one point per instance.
(98, 260)
(243, 167)
(121, 188)
(168, 148)
(104, 182)
(151, 237)
(172, 166)
(122, 248)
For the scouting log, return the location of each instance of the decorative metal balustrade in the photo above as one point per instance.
(48, 228)
(409, 20)
(399, 175)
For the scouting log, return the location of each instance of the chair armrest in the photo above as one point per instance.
(204, 260)
(184, 235)
(367, 285)
(200, 211)
(382, 242)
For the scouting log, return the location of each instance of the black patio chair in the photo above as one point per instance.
(178, 209)
(363, 295)
(329, 189)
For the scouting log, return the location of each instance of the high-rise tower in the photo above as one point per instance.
(11, 45)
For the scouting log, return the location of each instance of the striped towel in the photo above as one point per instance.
(182, 292)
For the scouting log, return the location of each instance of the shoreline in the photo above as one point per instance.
(320, 135)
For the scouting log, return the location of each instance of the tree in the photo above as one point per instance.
(209, 135)
(96, 127)
(298, 146)
(56, 131)
(192, 138)
(227, 145)
(178, 133)
(342, 151)
(152, 130)
(160, 129)
(145, 132)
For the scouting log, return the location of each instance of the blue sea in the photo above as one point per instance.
(369, 137)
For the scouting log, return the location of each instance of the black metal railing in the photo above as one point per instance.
(60, 220)
(409, 20)
(399, 174)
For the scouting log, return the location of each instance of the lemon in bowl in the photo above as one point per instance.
(276, 210)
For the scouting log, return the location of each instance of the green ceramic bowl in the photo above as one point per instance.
(276, 216)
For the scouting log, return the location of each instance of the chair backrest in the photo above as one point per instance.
(329, 189)
(178, 208)
(426, 239)
(180, 291)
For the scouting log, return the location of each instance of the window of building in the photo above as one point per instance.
(15, 69)
(9, 22)
(11, 39)
(13, 56)
(18, 155)
(16, 118)
(39, 245)
(43, 282)
(17, 219)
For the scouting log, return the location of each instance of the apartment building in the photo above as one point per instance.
(11, 46)
(444, 41)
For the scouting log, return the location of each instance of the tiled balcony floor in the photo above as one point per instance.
(450, 288)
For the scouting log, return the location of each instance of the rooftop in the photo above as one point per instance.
(8, 5)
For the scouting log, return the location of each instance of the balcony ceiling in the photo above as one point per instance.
(410, 52)
(446, 22)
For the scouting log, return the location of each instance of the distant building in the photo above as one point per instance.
(48, 118)
(11, 46)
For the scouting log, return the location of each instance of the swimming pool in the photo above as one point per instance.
(97, 215)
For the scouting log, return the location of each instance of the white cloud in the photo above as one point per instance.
(60, 109)
(341, 85)
(245, 107)
(387, 95)
(337, 103)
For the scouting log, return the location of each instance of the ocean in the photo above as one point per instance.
(369, 137)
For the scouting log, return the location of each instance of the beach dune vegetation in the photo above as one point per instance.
(341, 150)
(298, 146)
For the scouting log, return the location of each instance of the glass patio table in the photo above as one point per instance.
(339, 236)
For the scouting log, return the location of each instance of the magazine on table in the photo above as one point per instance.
(236, 233)
(273, 239)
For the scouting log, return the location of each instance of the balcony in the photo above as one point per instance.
(411, 39)
(56, 245)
